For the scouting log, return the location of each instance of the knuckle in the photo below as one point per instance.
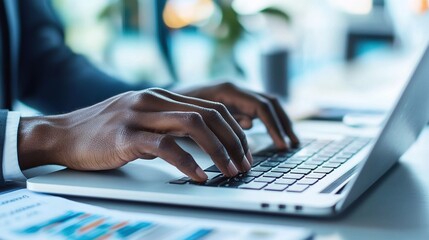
(219, 150)
(129, 117)
(212, 114)
(235, 144)
(228, 85)
(144, 97)
(158, 90)
(220, 107)
(270, 97)
(242, 137)
(194, 119)
(265, 105)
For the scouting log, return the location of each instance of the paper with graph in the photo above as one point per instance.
(28, 215)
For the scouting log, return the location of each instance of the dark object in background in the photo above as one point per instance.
(274, 69)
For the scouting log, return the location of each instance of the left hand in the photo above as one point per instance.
(246, 105)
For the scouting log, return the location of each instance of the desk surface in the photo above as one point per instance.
(397, 207)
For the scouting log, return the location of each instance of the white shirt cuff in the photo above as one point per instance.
(11, 170)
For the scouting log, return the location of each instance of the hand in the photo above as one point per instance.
(136, 125)
(246, 105)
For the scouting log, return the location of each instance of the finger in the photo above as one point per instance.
(244, 121)
(254, 105)
(166, 148)
(220, 122)
(216, 106)
(187, 124)
(236, 151)
(284, 120)
(265, 111)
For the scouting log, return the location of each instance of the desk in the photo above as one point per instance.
(397, 207)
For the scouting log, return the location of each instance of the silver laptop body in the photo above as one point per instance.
(151, 181)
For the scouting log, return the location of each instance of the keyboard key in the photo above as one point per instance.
(294, 161)
(323, 170)
(331, 165)
(320, 158)
(287, 165)
(348, 152)
(297, 188)
(247, 179)
(241, 179)
(257, 160)
(327, 153)
(284, 155)
(281, 170)
(346, 155)
(265, 153)
(254, 186)
(314, 162)
(300, 171)
(275, 187)
(212, 168)
(339, 160)
(276, 159)
(315, 175)
(325, 156)
(269, 164)
(265, 179)
(273, 175)
(307, 181)
(253, 174)
(178, 181)
(308, 166)
(293, 176)
(304, 154)
(300, 158)
(285, 181)
(231, 184)
(216, 181)
(261, 169)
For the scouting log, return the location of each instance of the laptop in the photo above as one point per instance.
(322, 177)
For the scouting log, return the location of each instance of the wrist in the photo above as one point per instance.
(38, 141)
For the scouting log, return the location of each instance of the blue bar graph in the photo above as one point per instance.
(86, 226)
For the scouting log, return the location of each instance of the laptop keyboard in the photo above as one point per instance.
(294, 170)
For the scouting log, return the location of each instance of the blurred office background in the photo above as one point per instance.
(332, 47)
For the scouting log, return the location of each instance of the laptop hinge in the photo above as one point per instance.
(337, 185)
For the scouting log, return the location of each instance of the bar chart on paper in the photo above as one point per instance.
(81, 225)
(28, 215)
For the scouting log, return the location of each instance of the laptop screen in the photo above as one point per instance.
(407, 119)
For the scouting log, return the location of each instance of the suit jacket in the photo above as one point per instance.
(40, 70)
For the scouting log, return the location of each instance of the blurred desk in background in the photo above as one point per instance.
(372, 82)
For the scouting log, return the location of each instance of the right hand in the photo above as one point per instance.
(136, 125)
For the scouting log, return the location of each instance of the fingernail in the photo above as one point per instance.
(246, 163)
(201, 174)
(249, 157)
(232, 170)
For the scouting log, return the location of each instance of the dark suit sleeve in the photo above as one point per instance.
(3, 119)
(53, 79)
